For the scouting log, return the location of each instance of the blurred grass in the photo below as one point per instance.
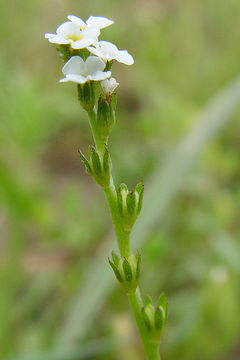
(52, 217)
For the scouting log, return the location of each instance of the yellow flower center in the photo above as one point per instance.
(74, 37)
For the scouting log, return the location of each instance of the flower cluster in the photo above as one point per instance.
(87, 58)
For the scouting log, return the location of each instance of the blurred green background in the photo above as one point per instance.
(53, 219)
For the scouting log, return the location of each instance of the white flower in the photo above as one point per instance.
(80, 71)
(109, 85)
(108, 51)
(77, 33)
(97, 22)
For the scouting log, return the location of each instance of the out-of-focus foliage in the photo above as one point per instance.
(53, 218)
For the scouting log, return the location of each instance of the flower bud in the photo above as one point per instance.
(127, 270)
(86, 95)
(155, 318)
(98, 167)
(106, 114)
(129, 204)
(109, 85)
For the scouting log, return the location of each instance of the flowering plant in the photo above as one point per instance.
(88, 62)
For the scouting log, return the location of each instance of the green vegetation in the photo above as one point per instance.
(54, 229)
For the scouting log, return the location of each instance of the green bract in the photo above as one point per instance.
(155, 318)
(129, 204)
(127, 270)
(98, 166)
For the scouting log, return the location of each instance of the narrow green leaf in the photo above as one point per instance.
(116, 271)
(85, 162)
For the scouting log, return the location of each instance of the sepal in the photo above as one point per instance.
(106, 114)
(162, 302)
(65, 51)
(129, 204)
(98, 167)
(155, 318)
(126, 270)
(86, 95)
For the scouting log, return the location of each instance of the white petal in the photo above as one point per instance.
(99, 75)
(105, 50)
(91, 32)
(48, 35)
(109, 85)
(56, 39)
(68, 28)
(75, 65)
(78, 21)
(83, 43)
(95, 51)
(99, 22)
(124, 57)
(93, 64)
(75, 78)
(108, 47)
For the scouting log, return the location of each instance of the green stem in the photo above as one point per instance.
(151, 349)
(123, 239)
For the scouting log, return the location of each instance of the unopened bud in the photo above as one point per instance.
(109, 85)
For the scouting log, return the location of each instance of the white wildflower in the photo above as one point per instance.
(80, 71)
(77, 33)
(97, 22)
(109, 85)
(108, 51)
